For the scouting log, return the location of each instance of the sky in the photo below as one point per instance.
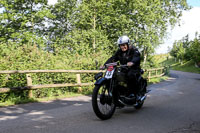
(51, 2)
(189, 24)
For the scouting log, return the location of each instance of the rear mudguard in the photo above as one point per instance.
(101, 81)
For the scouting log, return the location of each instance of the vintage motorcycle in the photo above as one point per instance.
(111, 91)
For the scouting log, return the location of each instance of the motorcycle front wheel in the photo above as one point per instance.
(102, 103)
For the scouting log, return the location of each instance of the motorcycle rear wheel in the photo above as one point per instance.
(102, 103)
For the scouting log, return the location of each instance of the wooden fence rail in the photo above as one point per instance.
(163, 71)
(79, 84)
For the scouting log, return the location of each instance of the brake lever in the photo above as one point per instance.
(124, 66)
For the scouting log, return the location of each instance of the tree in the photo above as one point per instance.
(23, 20)
(62, 22)
(187, 50)
(144, 21)
(195, 49)
(89, 26)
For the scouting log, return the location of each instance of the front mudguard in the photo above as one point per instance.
(101, 81)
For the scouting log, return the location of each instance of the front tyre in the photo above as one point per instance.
(102, 103)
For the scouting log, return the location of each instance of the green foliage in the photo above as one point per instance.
(29, 57)
(74, 35)
(157, 61)
(187, 66)
(157, 80)
(187, 50)
(195, 50)
(22, 21)
(99, 23)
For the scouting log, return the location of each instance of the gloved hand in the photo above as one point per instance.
(102, 67)
(130, 64)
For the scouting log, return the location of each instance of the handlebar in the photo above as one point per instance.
(114, 64)
(123, 65)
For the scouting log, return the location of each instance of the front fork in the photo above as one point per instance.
(110, 85)
(113, 91)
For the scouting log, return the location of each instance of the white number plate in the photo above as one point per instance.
(109, 74)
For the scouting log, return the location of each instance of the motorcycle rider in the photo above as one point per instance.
(128, 55)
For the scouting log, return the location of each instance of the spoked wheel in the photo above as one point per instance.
(102, 103)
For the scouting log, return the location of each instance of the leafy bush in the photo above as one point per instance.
(30, 57)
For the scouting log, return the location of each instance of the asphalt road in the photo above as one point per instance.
(173, 106)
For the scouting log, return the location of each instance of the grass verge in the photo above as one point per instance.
(18, 100)
(157, 80)
(188, 66)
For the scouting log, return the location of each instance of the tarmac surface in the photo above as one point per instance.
(172, 106)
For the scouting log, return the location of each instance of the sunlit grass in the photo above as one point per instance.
(185, 66)
(19, 100)
(188, 66)
(157, 80)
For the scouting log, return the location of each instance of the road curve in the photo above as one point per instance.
(173, 106)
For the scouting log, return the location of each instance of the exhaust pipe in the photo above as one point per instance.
(143, 98)
(127, 101)
(122, 103)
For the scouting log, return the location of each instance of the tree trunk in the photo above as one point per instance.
(145, 55)
(136, 37)
(145, 58)
(94, 27)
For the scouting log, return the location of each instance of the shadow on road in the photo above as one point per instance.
(38, 107)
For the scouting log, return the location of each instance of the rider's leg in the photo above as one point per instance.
(132, 81)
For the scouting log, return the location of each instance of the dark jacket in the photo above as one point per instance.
(131, 55)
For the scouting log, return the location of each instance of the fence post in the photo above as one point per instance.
(29, 83)
(7, 77)
(78, 78)
(156, 72)
(149, 75)
(166, 70)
